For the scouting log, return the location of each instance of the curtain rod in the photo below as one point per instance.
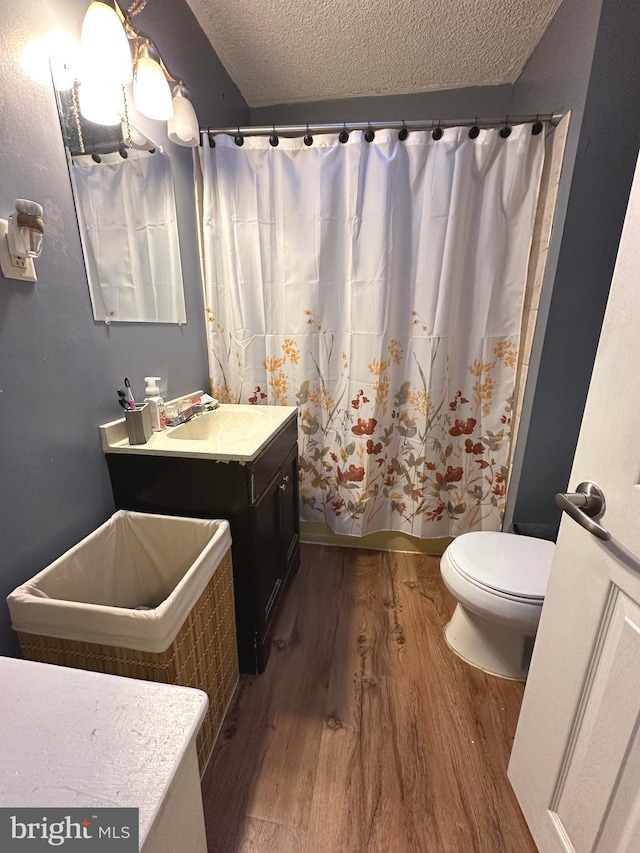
(302, 129)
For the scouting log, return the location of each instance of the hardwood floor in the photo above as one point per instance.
(365, 734)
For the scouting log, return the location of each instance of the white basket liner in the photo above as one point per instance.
(133, 559)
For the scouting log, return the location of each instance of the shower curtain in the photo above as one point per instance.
(379, 287)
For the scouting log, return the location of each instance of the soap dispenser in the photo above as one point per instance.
(155, 401)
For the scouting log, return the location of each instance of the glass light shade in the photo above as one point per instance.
(106, 55)
(183, 128)
(100, 103)
(151, 92)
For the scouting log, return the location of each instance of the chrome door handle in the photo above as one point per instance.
(586, 505)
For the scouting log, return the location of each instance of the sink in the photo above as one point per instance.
(226, 421)
(231, 433)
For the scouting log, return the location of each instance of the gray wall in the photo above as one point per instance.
(581, 262)
(489, 101)
(58, 368)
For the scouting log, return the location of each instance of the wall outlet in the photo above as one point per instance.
(21, 269)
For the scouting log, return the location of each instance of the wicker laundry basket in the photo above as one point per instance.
(81, 610)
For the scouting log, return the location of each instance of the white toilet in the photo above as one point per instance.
(499, 580)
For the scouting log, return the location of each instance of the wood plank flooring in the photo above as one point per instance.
(365, 734)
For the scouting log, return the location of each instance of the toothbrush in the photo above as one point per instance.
(130, 399)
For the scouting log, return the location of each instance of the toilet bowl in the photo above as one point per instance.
(499, 581)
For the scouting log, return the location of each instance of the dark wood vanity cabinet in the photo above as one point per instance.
(260, 500)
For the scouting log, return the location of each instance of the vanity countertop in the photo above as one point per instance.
(229, 433)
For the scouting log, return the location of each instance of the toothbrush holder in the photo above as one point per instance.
(139, 424)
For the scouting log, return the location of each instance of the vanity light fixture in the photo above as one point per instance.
(114, 53)
(104, 46)
(21, 240)
(151, 92)
(183, 128)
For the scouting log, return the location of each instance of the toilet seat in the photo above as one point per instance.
(499, 593)
(512, 567)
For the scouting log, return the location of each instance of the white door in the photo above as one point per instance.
(575, 765)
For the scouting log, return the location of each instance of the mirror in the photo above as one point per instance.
(125, 204)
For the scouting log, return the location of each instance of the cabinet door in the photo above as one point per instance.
(290, 513)
(270, 566)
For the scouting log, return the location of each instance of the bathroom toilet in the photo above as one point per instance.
(499, 581)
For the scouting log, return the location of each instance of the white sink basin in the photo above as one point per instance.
(231, 433)
(222, 422)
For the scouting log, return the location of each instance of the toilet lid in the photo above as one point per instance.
(504, 562)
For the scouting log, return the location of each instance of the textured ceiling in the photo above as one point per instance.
(282, 51)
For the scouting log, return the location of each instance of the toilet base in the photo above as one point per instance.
(488, 646)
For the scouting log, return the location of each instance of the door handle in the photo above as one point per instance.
(586, 505)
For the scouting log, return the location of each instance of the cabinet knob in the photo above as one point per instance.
(283, 484)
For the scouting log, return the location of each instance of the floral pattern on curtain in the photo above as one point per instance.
(378, 287)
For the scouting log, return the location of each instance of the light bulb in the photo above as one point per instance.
(183, 128)
(106, 55)
(100, 103)
(151, 92)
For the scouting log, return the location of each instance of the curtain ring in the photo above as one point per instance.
(239, 138)
(122, 151)
(370, 134)
(505, 131)
(537, 126)
(308, 139)
(474, 131)
(274, 139)
(344, 134)
(96, 158)
(212, 142)
(437, 133)
(402, 135)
